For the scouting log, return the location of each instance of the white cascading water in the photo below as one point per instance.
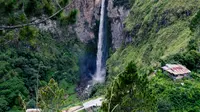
(99, 76)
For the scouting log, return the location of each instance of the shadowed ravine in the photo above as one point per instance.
(98, 72)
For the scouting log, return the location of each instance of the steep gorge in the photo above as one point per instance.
(87, 27)
(146, 32)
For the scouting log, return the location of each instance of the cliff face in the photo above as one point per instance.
(86, 29)
(89, 13)
(117, 15)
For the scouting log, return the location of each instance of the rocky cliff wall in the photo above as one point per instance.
(117, 14)
(86, 20)
(89, 11)
(86, 29)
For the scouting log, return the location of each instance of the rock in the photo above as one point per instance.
(89, 13)
(86, 27)
(117, 16)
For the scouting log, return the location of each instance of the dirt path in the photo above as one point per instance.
(92, 103)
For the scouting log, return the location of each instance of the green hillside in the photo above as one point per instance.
(158, 29)
(162, 31)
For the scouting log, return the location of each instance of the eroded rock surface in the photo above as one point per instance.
(87, 16)
(89, 13)
(117, 15)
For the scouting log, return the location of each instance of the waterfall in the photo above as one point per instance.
(99, 76)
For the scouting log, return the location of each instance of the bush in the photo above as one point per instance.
(28, 33)
(70, 18)
(190, 59)
(129, 92)
(195, 21)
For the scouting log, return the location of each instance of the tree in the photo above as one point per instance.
(21, 12)
(10, 92)
(176, 96)
(23, 46)
(51, 97)
(129, 92)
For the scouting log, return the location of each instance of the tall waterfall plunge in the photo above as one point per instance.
(99, 76)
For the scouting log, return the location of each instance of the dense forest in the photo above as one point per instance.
(30, 56)
(41, 55)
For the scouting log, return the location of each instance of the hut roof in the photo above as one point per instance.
(176, 69)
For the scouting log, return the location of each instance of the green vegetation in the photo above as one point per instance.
(133, 91)
(22, 61)
(31, 58)
(162, 32)
(52, 98)
(158, 29)
(176, 96)
(195, 21)
(130, 92)
(190, 59)
(15, 12)
(29, 52)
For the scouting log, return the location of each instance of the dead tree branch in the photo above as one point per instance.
(32, 23)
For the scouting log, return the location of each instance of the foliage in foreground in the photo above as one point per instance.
(176, 96)
(129, 92)
(52, 98)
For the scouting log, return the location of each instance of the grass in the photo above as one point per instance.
(164, 30)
